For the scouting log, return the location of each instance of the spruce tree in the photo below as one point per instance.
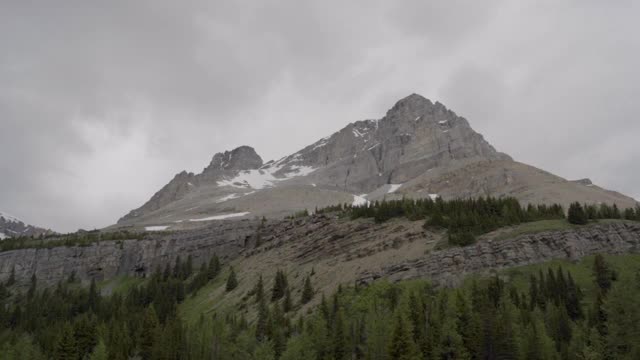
(65, 348)
(279, 286)
(577, 215)
(307, 291)
(287, 304)
(148, 333)
(602, 273)
(339, 338)
(573, 299)
(259, 291)
(99, 352)
(262, 323)
(85, 334)
(213, 268)
(401, 346)
(232, 281)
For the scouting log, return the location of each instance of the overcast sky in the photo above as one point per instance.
(102, 102)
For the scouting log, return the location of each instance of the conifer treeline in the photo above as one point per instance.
(467, 218)
(74, 239)
(551, 318)
(72, 322)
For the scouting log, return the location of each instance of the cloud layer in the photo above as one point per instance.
(101, 104)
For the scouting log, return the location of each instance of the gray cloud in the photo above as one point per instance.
(101, 103)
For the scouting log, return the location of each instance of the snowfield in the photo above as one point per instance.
(359, 200)
(157, 228)
(221, 217)
(264, 177)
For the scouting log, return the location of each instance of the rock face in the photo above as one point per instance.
(242, 158)
(12, 227)
(339, 250)
(418, 149)
(107, 259)
(452, 265)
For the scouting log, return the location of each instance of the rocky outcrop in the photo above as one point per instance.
(397, 249)
(107, 259)
(241, 158)
(450, 266)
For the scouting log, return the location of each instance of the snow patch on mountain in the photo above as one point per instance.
(265, 177)
(157, 228)
(10, 218)
(227, 198)
(360, 200)
(393, 188)
(220, 217)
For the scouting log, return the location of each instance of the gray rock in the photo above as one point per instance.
(452, 265)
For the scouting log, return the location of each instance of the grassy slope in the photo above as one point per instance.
(120, 284)
(625, 265)
(540, 226)
(214, 298)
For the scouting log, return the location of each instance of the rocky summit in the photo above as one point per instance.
(418, 149)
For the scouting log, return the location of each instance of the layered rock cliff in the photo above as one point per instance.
(452, 265)
(342, 250)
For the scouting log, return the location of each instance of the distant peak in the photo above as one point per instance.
(241, 158)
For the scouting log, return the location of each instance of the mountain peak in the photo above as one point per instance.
(241, 158)
(416, 105)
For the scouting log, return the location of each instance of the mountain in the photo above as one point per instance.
(418, 149)
(11, 226)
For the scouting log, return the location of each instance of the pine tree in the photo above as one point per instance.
(148, 333)
(339, 338)
(65, 348)
(307, 291)
(214, 267)
(401, 346)
(577, 215)
(265, 351)
(85, 334)
(232, 281)
(262, 324)
(573, 300)
(279, 286)
(287, 304)
(603, 274)
(99, 352)
(623, 320)
(259, 291)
